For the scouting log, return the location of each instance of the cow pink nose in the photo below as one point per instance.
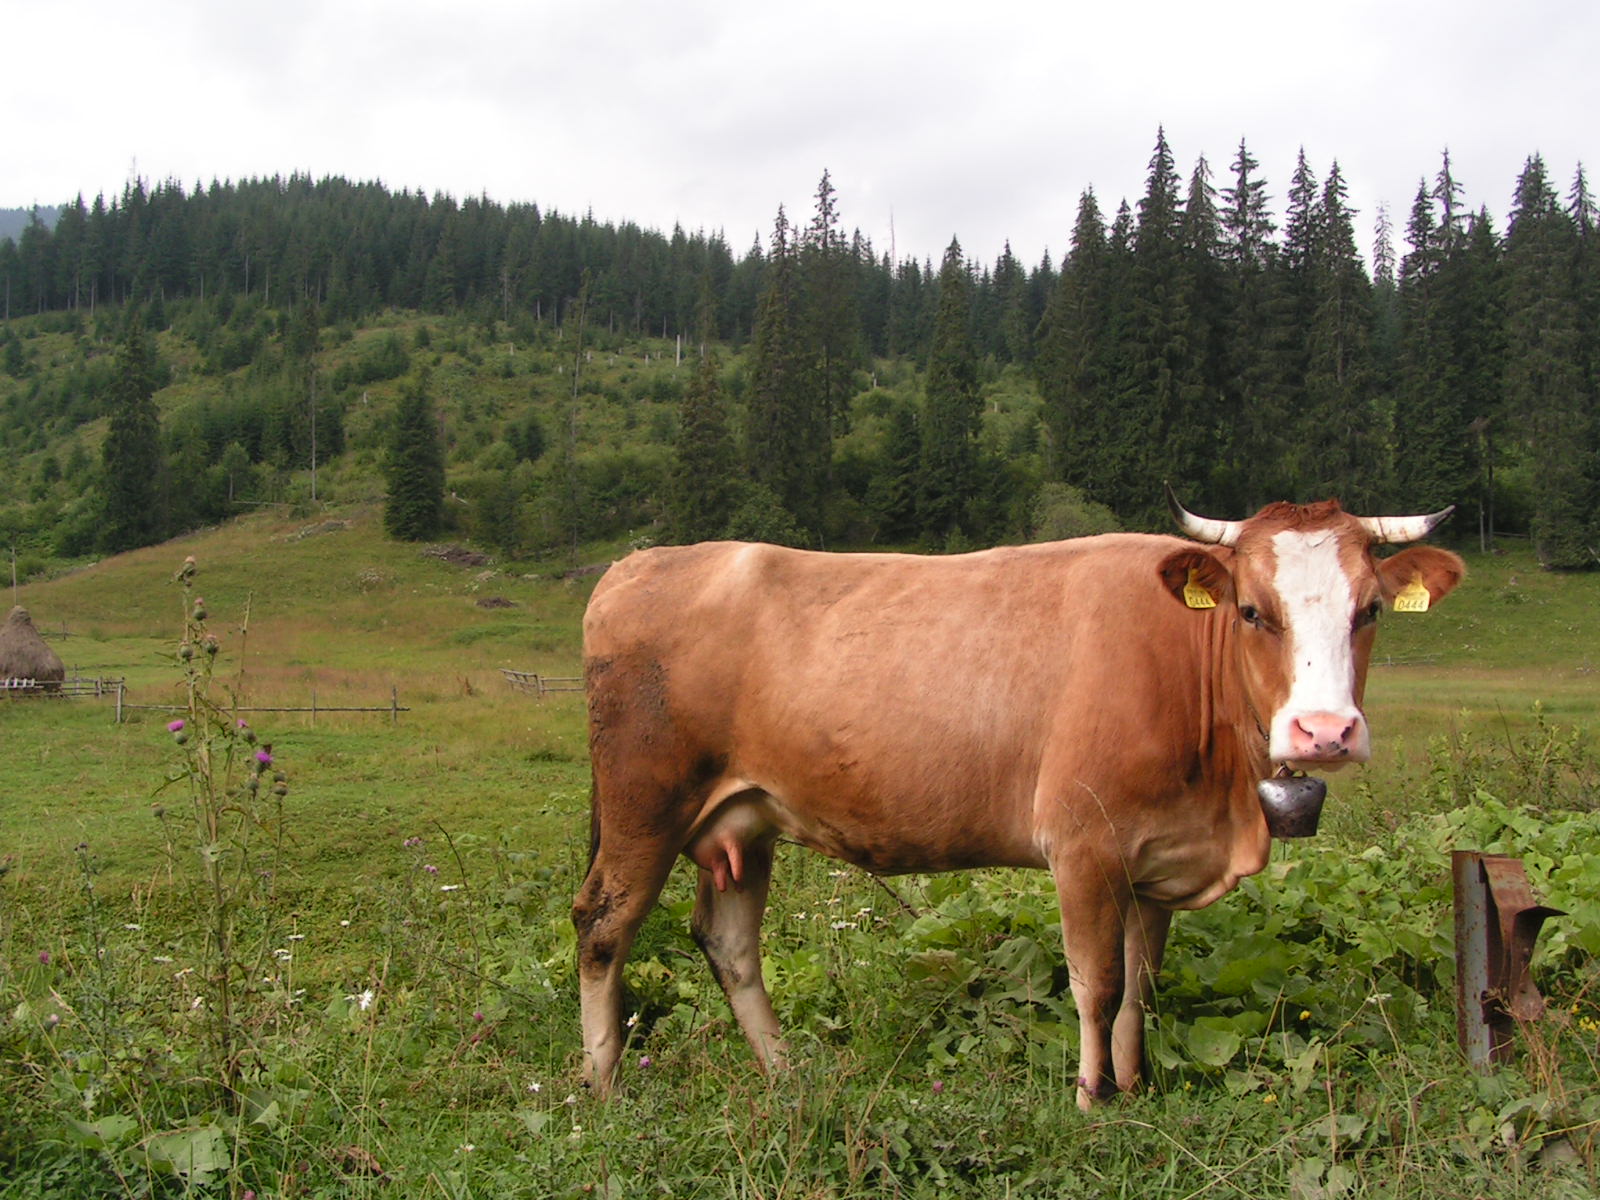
(1324, 736)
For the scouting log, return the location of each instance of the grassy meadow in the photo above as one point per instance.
(377, 963)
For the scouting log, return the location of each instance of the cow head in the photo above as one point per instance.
(1303, 591)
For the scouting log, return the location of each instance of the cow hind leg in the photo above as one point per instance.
(616, 896)
(729, 904)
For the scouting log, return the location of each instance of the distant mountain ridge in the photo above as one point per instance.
(14, 220)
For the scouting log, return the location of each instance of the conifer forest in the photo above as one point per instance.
(170, 353)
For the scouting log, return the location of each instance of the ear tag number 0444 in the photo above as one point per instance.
(1413, 598)
(1195, 594)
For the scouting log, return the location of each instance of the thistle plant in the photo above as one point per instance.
(235, 791)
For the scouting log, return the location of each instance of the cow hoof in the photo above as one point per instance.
(1088, 1096)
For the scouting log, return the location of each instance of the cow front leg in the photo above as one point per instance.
(726, 924)
(1094, 904)
(1144, 943)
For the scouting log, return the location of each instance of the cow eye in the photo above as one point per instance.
(1369, 614)
(1250, 613)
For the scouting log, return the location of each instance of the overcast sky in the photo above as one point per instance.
(984, 120)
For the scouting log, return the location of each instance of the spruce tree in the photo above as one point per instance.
(1080, 364)
(1340, 417)
(701, 492)
(828, 326)
(1193, 445)
(788, 446)
(1293, 305)
(1429, 427)
(1543, 382)
(131, 459)
(1253, 459)
(1014, 330)
(952, 410)
(1476, 318)
(1147, 433)
(891, 497)
(413, 511)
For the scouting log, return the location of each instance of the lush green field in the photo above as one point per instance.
(396, 1001)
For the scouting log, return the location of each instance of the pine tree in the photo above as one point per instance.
(1340, 416)
(1245, 218)
(891, 497)
(1293, 307)
(1149, 416)
(701, 492)
(1014, 330)
(1194, 447)
(1542, 372)
(1252, 463)
(1453, 218)
(413, 511)
(133, 511)
(1072, 367)
(828, 326)
(1585, 222)
(1476, 318)
(1429, 429)
(952, 408)
(789, 445)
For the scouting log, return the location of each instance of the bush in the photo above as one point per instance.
(1062, 511)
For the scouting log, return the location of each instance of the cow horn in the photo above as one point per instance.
(1202, 529)
(1403, 529)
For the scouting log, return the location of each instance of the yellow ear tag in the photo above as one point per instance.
(1195, 595)
(1413, 597)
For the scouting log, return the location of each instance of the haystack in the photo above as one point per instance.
(24, 655)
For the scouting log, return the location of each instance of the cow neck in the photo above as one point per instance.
(1236, 724)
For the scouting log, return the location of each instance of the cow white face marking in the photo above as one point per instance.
(1319, 724)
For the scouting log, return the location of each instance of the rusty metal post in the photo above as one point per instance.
(1497, 924)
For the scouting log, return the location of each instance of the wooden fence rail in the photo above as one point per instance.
(394, 708)
(541, 685)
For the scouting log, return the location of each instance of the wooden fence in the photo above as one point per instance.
(541, 685)
(58, 689)
(394, 708)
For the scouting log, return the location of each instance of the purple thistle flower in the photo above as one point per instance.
(44, 957)
(430, 868)
(644, 1060)
(174, 726)
(263, 758)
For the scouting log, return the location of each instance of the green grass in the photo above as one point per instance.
(1307, 1047)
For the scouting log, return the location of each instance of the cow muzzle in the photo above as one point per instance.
(1321, 740)
(1292, 803)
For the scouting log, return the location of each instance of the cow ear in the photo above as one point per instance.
(1428, 566)
(1196, 578)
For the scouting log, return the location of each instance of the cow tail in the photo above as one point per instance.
(594, 824)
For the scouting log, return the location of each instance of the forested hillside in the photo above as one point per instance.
(537, 380)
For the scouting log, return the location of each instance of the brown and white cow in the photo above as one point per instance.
(1103, 707)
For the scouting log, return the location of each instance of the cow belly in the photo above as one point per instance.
(746, 815)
